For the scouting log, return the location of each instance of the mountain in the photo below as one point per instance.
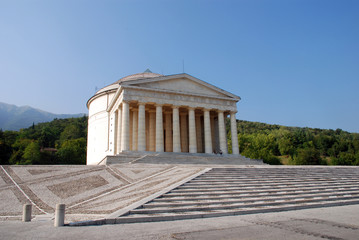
(13, 117)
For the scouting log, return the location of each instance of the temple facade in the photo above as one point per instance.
(158, 113)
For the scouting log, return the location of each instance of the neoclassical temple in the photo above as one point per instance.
(160, 113)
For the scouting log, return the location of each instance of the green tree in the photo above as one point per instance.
(47, 137)
(72, 151)
(18, 150)
(71, 131)
(7, 138)
(344, 158)
(31, 154)
(260, 146)
(308, 156)
(285, 146)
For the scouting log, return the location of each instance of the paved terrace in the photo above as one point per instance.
(89, 192)
(118, 191)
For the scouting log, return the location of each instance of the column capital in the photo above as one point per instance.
(142, 103)
(233, 112)
(220, 111)
(175, 107)
(158, 105)
(206, 110)
(191, 108)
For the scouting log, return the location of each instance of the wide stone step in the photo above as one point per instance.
(264, 176)
(213, 181)
(265, 186)
(226, 206)
(222, 197)
(258, 186)
(245, 199)
(274, 177)
(233, 191)
(334, 169)
(173, 193)
(268, 171)
(223, 184)
(203, 186)
(191, 215)
(188, 158)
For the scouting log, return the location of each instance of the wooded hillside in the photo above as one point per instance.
(277, 144)
(63, 141)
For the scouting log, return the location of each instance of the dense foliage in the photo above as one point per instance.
(61, 141)
(293, 145)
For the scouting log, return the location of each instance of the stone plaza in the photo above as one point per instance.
(181, 201)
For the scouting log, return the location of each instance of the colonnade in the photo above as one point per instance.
(159, 128)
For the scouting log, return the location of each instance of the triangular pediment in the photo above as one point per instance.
(182, 83)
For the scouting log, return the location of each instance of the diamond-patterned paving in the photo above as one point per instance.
(88, 191)
(97, 192)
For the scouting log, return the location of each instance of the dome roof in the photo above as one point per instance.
(145, 74)
(113, 86)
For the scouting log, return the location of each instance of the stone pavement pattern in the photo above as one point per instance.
(94, 192)
(89, 192)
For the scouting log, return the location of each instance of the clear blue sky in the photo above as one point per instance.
(293, 62)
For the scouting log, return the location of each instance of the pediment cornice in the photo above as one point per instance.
(181, 76)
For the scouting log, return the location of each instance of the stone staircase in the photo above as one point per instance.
(180, 158)
(235, 191)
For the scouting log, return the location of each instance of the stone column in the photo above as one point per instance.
(192, 131)
(207, 132)
(199, 133)
(168, 128)
(184, 132)
(131, 129)
(141, 127)
(213, 132)
(152, 131)
(134, 130)
(125, 136)
(159, 129)
(176, 130)
(222, 133)
(119, 128)
(235, 149)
